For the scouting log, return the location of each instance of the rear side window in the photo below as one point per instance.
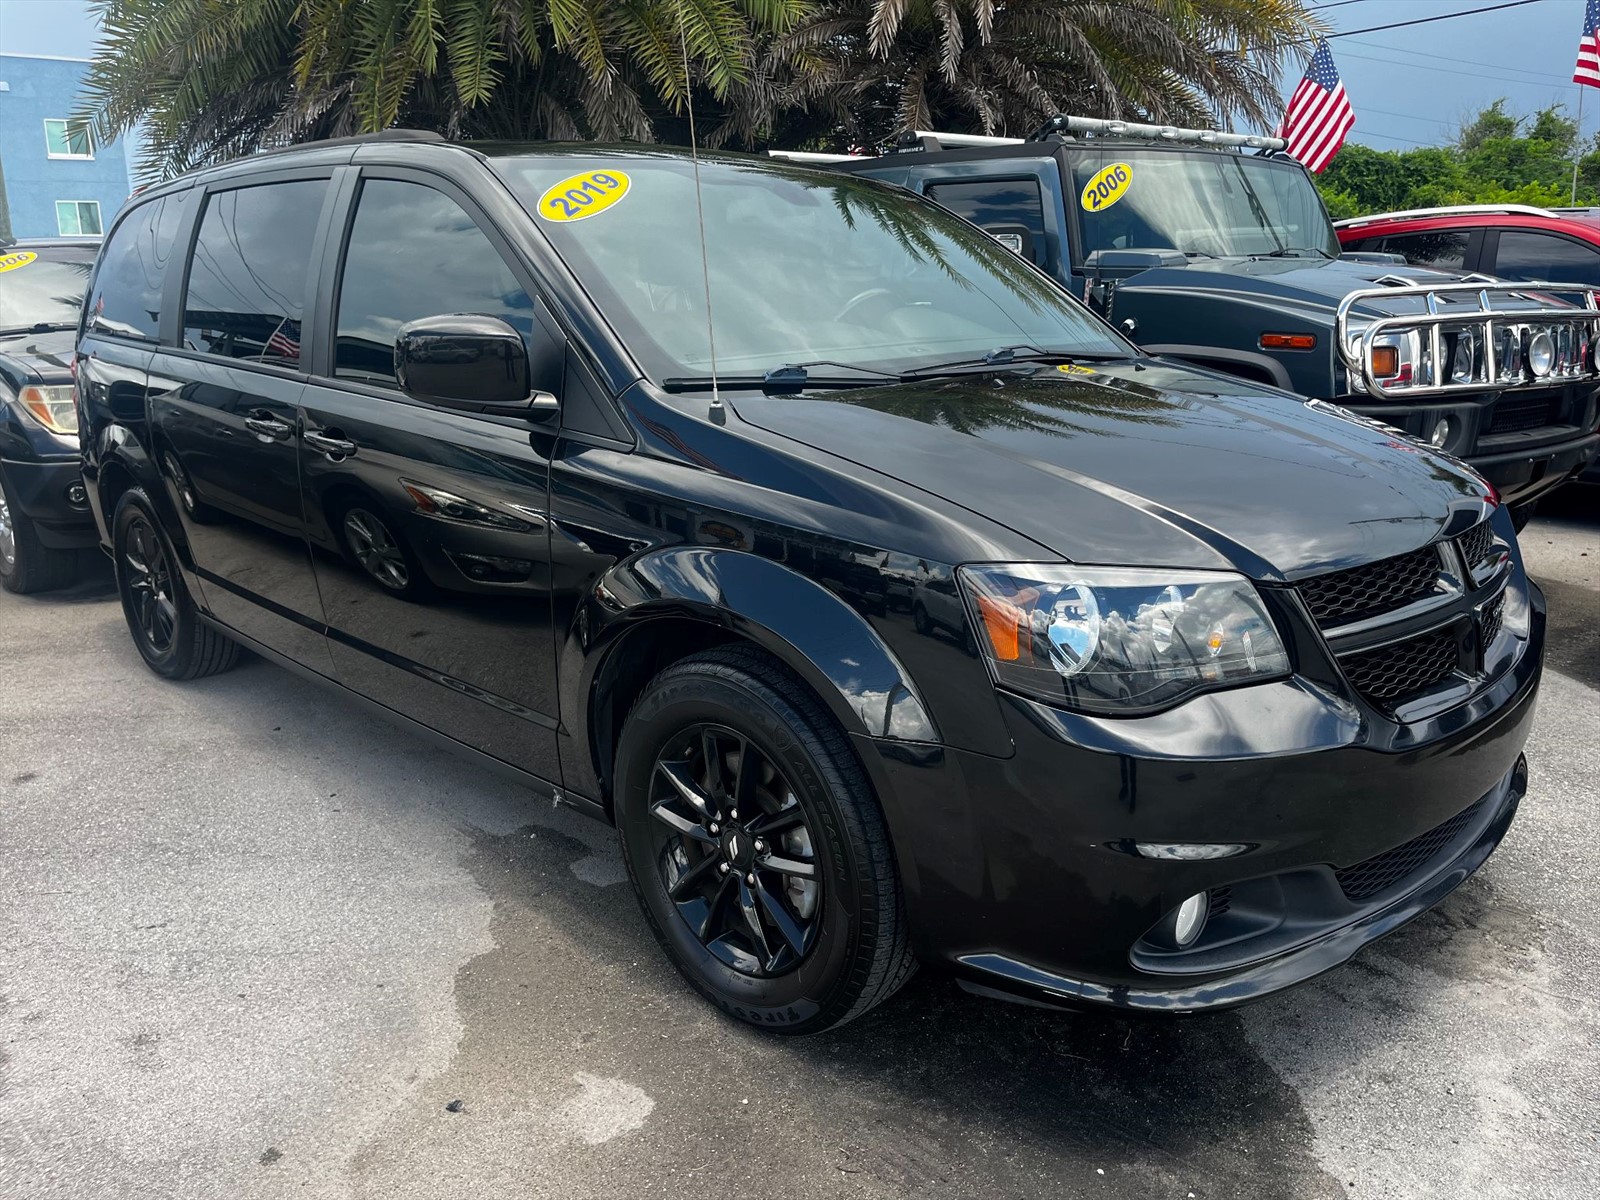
(247, 278)
(1545, 256)
(995, 202)
(414, 252)
(133, 267)
(1444, 249)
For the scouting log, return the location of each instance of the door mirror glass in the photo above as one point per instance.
(464, 360)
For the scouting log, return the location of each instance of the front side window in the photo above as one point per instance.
(1525, 254)
(1206, 203)
(133, 266)
(78, 218)
(249, 271)
(801, 266)
(443, 264)
(1444, 249)
(67, 139)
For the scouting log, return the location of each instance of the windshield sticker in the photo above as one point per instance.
(580, 196)
(10, 262)
(1108, 186)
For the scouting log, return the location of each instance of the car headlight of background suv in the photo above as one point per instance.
(52, 407)
(1120, 641)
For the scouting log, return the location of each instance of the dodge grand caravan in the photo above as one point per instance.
(893, 607)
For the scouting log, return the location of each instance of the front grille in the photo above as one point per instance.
(1382, 871)
(1476, 544)
(1516, 416)
(1395, 672)
(1489, 623)
(1376, 588)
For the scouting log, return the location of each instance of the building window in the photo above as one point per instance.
(67, 139)
(78, 218)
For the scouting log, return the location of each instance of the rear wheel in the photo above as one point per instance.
(169, 634)
(756, 846)
(26, 565)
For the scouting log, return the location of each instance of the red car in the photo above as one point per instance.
(1508, 241)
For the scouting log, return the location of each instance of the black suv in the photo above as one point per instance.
(892, 606)
(1216, 248)
(45, 526)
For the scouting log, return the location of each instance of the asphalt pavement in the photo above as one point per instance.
(256, 943)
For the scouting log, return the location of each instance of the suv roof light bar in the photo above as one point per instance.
(1104, 127)
(1452, 210)
(965, 139)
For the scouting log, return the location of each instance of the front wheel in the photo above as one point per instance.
(757, 849)
(26, 564)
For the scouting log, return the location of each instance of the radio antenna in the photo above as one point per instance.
(718, 413)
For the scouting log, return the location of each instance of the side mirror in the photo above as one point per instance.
(467, 361)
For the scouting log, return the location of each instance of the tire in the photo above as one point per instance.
(168, 632)
(826, 946)
(1521, 514)
(919, 619)
(26, 565)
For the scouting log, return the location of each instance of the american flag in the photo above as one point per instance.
(1588, 68)
(285, 340)
(1319, 113)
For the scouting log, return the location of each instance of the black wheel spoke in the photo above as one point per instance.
(778, 913)
(677, 774)
(747, 780)
(749, 908)
(770, 823)
(682, 824)
(787, 866)
(716, 908)
(695, 878)
(716, 781)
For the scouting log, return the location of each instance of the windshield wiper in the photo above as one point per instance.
(40, 327)
(1007, 356)
(1294, 252)
(791, 377)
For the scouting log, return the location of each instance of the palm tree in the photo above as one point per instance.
(212, 79)
(861, 71)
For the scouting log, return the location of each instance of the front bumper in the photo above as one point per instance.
(50, 493)
(1019, 873)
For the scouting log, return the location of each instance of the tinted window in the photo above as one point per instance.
(1445, 249)
(127, 287)
(247, 279)
(414, 252)
(995, 202)
(1527, 255)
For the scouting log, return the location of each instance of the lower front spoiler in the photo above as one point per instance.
(1006, 978)
(50, 493)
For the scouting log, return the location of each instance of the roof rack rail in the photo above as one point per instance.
(932, 139)
(813, 156)
(1450, 210)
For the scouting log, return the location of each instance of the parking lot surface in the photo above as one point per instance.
(255, 943)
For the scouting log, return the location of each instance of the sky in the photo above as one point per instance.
(1410, 87)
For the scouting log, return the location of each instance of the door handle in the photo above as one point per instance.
(334, 447)
(267, 427)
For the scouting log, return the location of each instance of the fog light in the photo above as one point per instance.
(76, 496)
(1541, 354)
(1440, 437)
(1190, 919)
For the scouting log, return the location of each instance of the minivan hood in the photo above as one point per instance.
(1146, 463)
(46, 355)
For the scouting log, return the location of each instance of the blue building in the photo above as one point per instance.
(55, 181)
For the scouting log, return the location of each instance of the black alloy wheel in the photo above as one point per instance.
(170, 636)
(734, 850)
(756, 846)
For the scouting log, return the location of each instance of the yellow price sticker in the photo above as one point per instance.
(1108, 186)
(580, 196)
(10, 262)
(1075, 369)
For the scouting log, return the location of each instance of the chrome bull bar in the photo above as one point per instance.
(1532, 305)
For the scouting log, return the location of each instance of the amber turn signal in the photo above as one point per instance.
(1386, 361)
(1288, 341)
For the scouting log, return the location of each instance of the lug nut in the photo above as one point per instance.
(751, 879)
(723, 867)
(761, 847)
(733, 814)
(715, 828)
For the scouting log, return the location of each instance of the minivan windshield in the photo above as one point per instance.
(42, 286)
(1204, 202)
(802, 266)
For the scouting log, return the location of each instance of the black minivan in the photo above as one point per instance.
(893, 606)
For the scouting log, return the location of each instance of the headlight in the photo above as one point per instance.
(1540, 352)
(51, 407)
(1113, 640)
